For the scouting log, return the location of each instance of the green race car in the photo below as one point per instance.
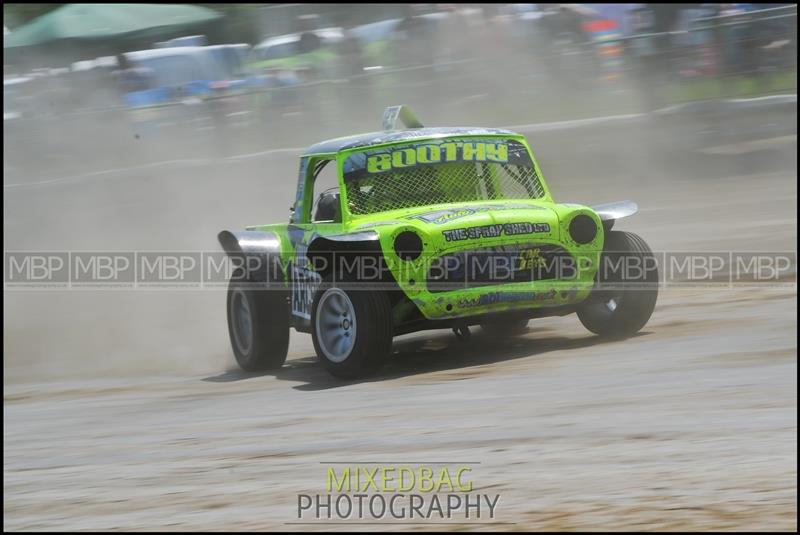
(428, 228)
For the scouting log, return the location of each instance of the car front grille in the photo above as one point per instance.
(488, 266)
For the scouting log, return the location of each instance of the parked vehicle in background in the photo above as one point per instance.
(231, 58)
(162, 75)
(189, 40)
(303, 53)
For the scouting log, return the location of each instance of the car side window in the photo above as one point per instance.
(326, 207)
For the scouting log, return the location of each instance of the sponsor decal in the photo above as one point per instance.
(505, 297)
(532, 259)
(439, 217)
(431, 153)
(494, 231)
(398, 159)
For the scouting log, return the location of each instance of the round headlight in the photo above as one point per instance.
(408, 245)
(582, 229)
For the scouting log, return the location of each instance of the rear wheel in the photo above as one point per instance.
(628, 280)
(352, 330)
(258, 325)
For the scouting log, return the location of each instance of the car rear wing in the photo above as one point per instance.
(404, 113)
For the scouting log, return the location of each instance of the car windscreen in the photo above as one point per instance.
(439, 171)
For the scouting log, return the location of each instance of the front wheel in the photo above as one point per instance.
(352, 330)
(628, 288)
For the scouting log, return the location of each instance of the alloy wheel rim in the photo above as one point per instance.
(336, 325)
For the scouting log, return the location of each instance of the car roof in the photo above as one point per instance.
(330, 34)
(164, 52)
(380, 138)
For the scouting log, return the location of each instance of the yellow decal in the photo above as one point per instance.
(451, 151)
(532, 258)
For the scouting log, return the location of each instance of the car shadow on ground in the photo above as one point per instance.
(438, 351)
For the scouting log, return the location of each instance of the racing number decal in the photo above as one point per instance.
(304, 284)
(303, 281)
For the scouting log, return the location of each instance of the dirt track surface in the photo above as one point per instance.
(123, 409)
(689, 425)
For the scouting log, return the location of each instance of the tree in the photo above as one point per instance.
(15, 15)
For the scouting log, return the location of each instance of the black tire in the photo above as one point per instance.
(267, 324)
(615, 310)
(372, 341)
(504, 328)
